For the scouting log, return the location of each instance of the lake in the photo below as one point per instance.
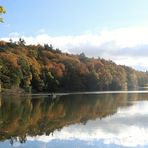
(78, 120)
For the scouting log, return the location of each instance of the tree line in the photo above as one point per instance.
(41, 68)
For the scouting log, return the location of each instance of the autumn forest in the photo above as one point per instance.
(41, 68)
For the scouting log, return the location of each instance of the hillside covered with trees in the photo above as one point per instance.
(40, 68)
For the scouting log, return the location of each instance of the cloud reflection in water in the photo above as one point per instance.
(127, 128)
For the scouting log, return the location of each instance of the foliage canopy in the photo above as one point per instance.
(43, 68)
(2, 11)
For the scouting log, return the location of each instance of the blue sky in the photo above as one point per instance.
(61, 21)
(71, 17)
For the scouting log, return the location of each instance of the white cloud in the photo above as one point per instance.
(14, 35)
(42, 30)
(127, 46)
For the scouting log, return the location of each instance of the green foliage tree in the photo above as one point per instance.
(2, 11)
(49, 80)
(37, 83)
(10, 75)
(21, 42)
(90, 81)
(26, 74)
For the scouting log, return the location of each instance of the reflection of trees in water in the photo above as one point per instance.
(38, 115)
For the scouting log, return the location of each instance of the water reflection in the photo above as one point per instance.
(84, 120)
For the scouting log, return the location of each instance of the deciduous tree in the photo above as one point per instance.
(2, 11)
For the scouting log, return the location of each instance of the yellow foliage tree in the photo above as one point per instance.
(2, 11)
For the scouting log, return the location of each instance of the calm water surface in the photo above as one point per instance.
(75, 120)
